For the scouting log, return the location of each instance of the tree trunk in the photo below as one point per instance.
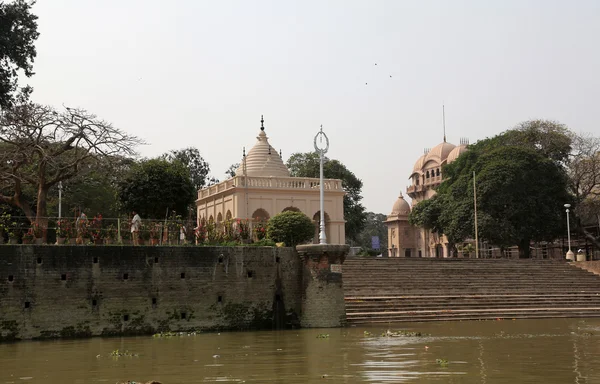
(18, 201)
(588, 235)
(524, 251)
(42, 212)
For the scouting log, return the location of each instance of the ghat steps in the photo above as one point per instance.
(382, 290)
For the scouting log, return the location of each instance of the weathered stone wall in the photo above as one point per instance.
(592, 266)
(77, 291)
(323, 304)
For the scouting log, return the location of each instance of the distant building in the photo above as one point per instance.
(262, 187)
(405, 240)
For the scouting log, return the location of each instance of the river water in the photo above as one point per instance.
(503, 351)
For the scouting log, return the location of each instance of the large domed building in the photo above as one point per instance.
(405, 240)
(262, 187)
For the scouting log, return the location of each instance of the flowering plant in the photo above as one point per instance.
(63, 228)
(229, 232)
(260, 230)
(96, 226)
(243, 229)
(36, 230)
(200, 231)
(29, 235)
(155, 229)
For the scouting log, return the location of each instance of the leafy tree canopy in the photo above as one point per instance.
(153, 186)
(291, 228)
(374, 226)
(197, 166)
(230, 172)
(308, 165)
(18, 32)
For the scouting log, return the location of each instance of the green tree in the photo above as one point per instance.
(374, 226)
(18, 32)
(308, 165)
(291, 228)
(153, 186)
(197, 166)
(42, 147)
(230, 172)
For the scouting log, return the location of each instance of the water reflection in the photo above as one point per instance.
(527, 351)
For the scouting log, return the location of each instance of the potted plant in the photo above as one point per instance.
(155, 229)
(110, 233)
(61, 231)
(243, 229)
(28, 237)
(96, 232)
(4, 225)
(36, 229)
(260, 230)
(200, 232)
(144, 235)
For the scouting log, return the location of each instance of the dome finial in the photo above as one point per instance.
(262, 123)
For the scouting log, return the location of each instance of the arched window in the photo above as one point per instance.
(228, 215)
(427, 175)
(437, 172)
(219, 218)
(211, 219)
(293, 209)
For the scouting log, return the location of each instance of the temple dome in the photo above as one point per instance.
(456, 152)
(419, 164)
(440, 152)
(263, 160)
(401, 207)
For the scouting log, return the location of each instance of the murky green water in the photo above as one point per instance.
(525, 351)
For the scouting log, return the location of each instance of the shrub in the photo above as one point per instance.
(291, 228)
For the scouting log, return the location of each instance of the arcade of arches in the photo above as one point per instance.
(263, 187)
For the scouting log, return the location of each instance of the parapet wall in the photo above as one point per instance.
(78, 291)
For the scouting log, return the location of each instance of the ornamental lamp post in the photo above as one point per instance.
(570, 254)
(322, 150)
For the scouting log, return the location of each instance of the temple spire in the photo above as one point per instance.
(262, 123)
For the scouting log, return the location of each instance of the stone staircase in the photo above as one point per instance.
(382, 290)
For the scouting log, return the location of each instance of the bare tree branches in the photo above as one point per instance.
(40, 146)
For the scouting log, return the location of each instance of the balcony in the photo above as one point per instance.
(281, 183)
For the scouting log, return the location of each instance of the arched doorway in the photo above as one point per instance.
(228, 215)
(219, 218)
(260, 215)
(317, 221)
(292, 209)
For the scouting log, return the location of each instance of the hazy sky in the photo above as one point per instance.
(200, 73)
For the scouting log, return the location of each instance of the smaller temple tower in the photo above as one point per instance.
(401, 235)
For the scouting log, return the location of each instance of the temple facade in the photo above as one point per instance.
(405, 240)
(262, 187)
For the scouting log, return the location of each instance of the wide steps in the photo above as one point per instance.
(389, 290)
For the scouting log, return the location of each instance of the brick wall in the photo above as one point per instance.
(79, 291)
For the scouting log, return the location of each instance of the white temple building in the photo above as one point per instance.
(262, 187)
